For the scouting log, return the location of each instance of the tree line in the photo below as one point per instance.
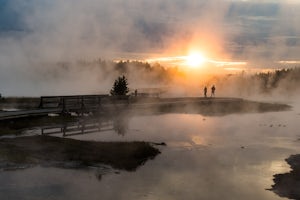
(155, 73)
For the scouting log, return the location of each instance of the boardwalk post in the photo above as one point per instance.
(82, 127)
(99, 102)
(41, 102)
(64, 111)
(82, 105)
(64, 129)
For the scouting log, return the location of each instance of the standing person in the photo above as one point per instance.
(135, 93)
(205, 91)
(213, 89)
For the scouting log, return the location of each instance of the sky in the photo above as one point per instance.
(261, 33)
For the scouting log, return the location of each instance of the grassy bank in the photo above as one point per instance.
(208, 107)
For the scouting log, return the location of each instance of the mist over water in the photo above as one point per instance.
(230, 157)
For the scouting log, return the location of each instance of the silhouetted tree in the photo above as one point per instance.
(120, 86)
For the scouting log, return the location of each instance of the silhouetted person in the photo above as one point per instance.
(205, 91)
(213, 89)
(135, 93)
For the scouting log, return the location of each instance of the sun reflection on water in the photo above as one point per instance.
(279, 166)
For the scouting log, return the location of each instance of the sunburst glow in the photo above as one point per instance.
(195, 59)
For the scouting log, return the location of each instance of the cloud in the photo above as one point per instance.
(267, 32)
(100, 28)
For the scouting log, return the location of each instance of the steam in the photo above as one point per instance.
(36, 35)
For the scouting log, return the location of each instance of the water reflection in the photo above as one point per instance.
(288, 184)
(203, 159)
(119, 124)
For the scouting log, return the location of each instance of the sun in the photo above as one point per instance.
(195, 59)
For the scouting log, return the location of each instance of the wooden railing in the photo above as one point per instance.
(74, 103)
(77, 128)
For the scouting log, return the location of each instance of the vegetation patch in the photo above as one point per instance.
(46, 150)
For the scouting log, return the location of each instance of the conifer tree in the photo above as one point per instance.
(120, 87)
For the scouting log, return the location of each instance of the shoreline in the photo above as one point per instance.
(288, 184)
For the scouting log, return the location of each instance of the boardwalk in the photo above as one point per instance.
(28, 113)
(59, 105)
(74, 103)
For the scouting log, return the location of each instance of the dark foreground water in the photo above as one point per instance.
(227, 157)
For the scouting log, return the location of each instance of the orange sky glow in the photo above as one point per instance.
(197, 60)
